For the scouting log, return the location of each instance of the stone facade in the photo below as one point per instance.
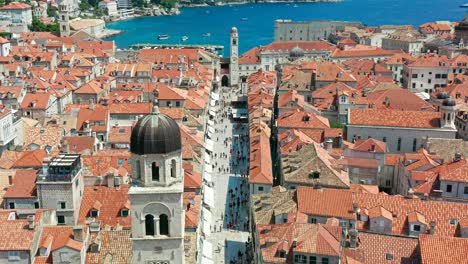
(288, 30)
(157, 210)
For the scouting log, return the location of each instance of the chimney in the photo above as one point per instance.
(110, 180)
(355, 208)
(410, 194)
(372, 148)
(353, 234)
(329, 145)
(387, 101)
(91, 106)
(294, 243)
(94, 135)
(10, 180)
(66, 147)
(30, 222)
(340, 140)
(433, 227)
(78, 233)
(457, 157)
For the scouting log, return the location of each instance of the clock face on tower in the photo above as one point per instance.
(234, 59)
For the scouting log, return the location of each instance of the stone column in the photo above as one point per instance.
(169, 230)
(156, 226)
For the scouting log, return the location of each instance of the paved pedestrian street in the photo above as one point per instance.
(229, 161)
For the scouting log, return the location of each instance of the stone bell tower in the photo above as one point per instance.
(234, 61)
(157, 190)
(64, 20)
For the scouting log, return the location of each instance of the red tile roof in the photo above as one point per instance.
(394, 118)
(14, 233)
(192, 178)
(15, 6)
(314, 239)
(439, 249)
(192, 205)
(79, 144)
(35, 101)
(302, 120)
(370, 145)
(112, 201)
(24, 185)
(305, 45)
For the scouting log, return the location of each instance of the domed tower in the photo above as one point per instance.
(157, 189)
(448, 110)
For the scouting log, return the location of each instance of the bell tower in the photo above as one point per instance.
(234, 60)
(157, 189)
(64, 20)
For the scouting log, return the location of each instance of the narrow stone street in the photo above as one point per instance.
(229, 161)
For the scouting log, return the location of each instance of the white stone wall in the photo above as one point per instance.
(256, 188)
(392, 134)
(425, 78)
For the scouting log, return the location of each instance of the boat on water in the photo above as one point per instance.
(163, 37)
(207, 35)
(464, 6)
(244, 19)
(295, 5)
(184, 38)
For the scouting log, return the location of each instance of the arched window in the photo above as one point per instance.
(149, 225)
(225, 81)
(163, 225)
(155, 171)
(173, 168)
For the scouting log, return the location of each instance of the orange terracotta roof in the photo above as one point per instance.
(120, 134)
(302, 120)
(394, 118)
(14, 233)
(15, 6)
(24, 185)
(439, 249)
(112, 201)
(35, 101)
(370, 145)
(79, 144)
(192, 205)
(192, 178)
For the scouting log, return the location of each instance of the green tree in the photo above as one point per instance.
(51, 12)
(38, 26)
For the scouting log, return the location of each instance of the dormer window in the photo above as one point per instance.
(389, 256)
(94, 213)
(282, 254)
(124, 212)
(416, 228)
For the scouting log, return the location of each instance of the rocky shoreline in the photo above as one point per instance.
(259, 2)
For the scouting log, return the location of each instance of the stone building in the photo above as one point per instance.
(288, 30)
(157, 193)
(60, 185)
(402, 131)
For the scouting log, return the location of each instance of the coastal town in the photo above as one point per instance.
(337, 142)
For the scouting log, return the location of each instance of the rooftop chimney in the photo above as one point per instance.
(353, 234)
(78, 233)
(355, 207)
(30, 222)
(329, 145)
(10, 180)
(457, 157)
(433, 227)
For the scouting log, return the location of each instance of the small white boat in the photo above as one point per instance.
(464, 6)
(184, 38)
(207, 35)
(162, 37)
(244, 19)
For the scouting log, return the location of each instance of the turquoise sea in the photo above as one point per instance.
(258, 28)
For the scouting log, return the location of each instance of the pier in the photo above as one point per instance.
(218, 49)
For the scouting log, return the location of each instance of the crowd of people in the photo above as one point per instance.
(232, 159)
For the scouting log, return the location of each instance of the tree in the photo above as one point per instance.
(38, 26)
(51, 12)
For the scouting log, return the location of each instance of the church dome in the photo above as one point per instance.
(442, 95)
(449, 102)
(296, 52)
(155, 133)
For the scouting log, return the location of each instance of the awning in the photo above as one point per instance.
(207, 177)
(207, 215)
(209, 144)
(212, 112)
(215, 96)
(206, 260)
(207, 158)
(208, 196)
(212, 102)
(208, 168)
(206, 228)
(210, 122)
(207, 250)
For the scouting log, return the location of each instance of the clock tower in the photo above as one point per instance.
(234, 61)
